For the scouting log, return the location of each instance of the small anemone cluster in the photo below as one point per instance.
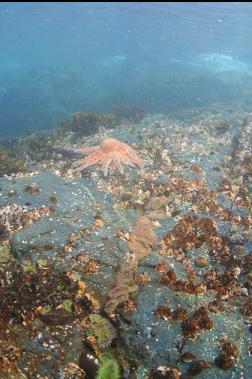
(109, 369)
(99, 331)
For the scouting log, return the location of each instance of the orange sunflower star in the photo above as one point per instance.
(111, 153)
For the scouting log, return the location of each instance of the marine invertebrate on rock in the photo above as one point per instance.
(188, 357)
(228, 356)
(109, 370)
(178, 285)
(112, 153)
(99, 332)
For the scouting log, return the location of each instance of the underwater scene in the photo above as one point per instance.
(126, 190)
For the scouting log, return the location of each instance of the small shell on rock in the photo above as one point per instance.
(201, 262)
(188, 357)
(33, 188)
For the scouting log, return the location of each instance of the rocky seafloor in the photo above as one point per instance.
(149, 271)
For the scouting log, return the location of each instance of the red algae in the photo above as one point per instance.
(164, 312)
(199, 322)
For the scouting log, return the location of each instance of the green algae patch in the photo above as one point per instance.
(5, 255)
(29, 266)
(68, 305)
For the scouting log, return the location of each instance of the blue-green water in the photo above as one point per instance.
(60, 58)
(125, 190)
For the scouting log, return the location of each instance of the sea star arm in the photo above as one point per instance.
(118, 165)
(105, 167)
(91, 160)
(133, 159)
(88, 150)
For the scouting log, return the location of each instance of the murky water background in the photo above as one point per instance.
(62, 58)
(125, 190)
